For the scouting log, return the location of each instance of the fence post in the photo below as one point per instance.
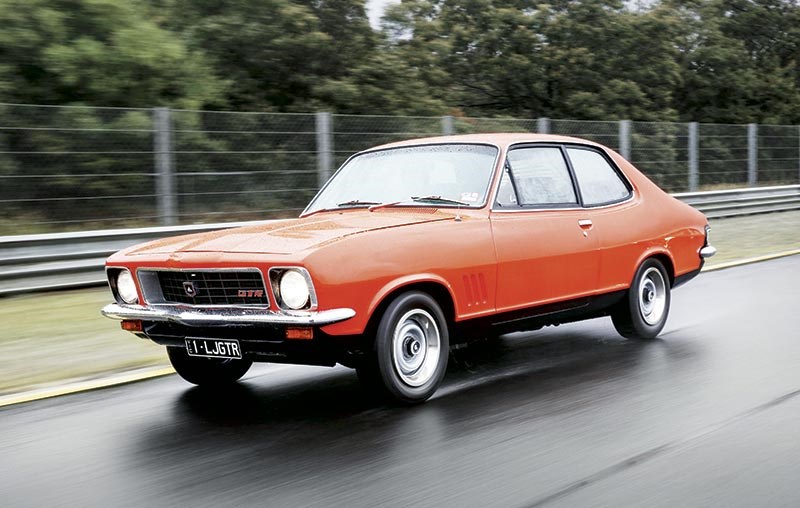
(543, 125)
(448, 127)
(165, 166)
(752, 154)
(324, 147)
(625, 138)
(693, 144)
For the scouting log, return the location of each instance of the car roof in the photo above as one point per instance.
(502, 140)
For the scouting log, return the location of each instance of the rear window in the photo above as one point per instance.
(599, 182)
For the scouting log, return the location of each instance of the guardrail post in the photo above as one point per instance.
(448, 127)
(692, 148)
(165, 166)
(798, 154)
(324, 147)
(543, 125)
(752, 154)
(625, 138)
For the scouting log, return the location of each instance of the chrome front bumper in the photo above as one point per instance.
(224, 316)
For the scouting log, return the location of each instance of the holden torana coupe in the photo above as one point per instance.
(411, 247)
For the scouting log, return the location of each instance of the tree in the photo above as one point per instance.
(100, 52)
(607, 62)
(560, 59)
(481, 55)
(739, 61)
(268, 51)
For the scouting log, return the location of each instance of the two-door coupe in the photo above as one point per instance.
(410, 247)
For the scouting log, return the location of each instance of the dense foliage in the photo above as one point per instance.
(702, 60)
(716, 61)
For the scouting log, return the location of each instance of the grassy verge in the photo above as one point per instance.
(51, 337)
(754, 235)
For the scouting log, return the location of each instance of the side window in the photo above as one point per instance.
(598, 181)
(541, 177)
(506, 195)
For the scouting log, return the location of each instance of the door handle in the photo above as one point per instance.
(585, 223)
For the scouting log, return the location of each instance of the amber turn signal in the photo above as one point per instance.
(132, 325)
(300, 333)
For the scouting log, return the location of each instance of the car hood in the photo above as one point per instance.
(292, 235)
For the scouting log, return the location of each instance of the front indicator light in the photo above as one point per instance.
(126, 288)
(300, 333)
(132, 325)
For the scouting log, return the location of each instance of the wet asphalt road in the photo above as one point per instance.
(708, 415)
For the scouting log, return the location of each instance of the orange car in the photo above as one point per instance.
(412, 246)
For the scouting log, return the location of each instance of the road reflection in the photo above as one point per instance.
(328, 419)
(296, 437)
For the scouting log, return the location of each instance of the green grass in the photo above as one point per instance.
(754, 235)
(51, 337)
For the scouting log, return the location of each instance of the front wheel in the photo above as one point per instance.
(411, 347)
(643, 312)
(207, 371)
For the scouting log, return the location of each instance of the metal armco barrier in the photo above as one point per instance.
(735, 202)
(31, 263)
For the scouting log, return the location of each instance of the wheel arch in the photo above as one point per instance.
(437, 288)
(661, 255)
(669, 266)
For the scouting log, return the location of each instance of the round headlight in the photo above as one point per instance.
(294, 289)
(126, 289)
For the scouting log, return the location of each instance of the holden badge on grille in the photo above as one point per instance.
(190, 289)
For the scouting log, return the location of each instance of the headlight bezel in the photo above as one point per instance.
(123, 285)
(276, 275)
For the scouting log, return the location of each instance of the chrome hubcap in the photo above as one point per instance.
(416, 347)
(652, 296)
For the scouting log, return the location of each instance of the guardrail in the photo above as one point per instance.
(47, 262)
(736, 202)
(31, 263)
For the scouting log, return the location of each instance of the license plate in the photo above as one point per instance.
(213, 348)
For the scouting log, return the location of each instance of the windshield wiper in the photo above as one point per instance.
(358, 202)
(383, 205)
(438, 199)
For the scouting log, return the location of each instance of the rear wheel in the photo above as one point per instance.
(643, 313)
(207, 371)
(409, 357)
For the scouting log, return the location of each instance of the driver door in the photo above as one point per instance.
(546, 247)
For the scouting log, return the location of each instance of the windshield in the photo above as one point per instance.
(443, 175)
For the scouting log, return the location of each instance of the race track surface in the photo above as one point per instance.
(707, 415)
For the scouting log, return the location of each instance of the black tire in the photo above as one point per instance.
(410, 351)
(643, 312)
(207, 371)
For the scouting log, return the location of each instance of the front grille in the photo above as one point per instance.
(213, 287)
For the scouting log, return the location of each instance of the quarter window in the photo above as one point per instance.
(541, 177)
(598, 181)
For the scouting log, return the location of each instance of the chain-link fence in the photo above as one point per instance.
(77, 168)
(238, 166)
(68, 168)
